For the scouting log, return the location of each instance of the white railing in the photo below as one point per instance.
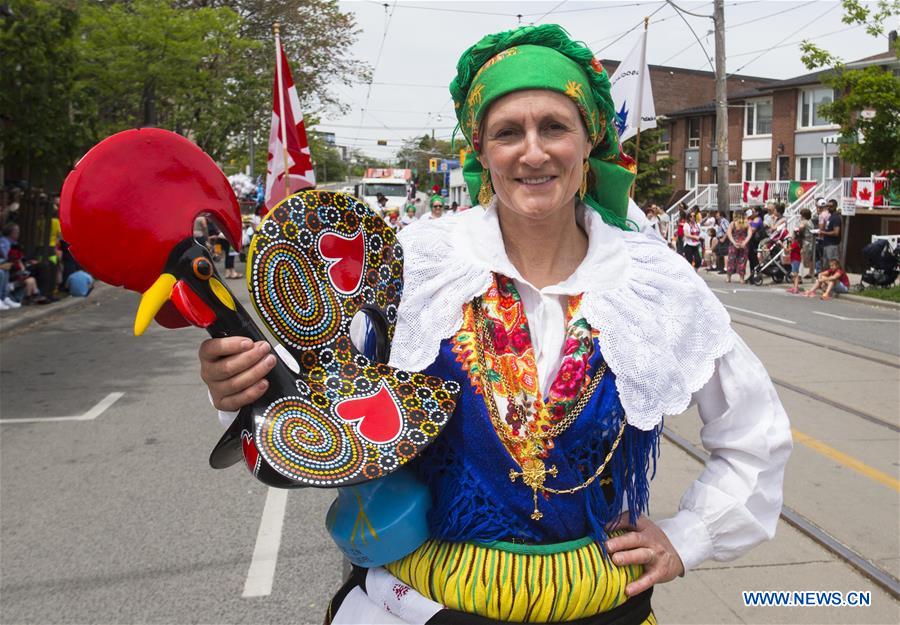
(806, 200)
(706, 195)
(687, 198)
(847, 188)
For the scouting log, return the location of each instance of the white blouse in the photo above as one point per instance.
(679, 350)
(662, 332)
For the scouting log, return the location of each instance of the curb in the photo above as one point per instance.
(872, 301)
(31, 314)
(859, 299)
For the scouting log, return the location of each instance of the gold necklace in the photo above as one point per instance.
(533, 470)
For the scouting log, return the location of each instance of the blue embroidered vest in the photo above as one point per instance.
(468, 470)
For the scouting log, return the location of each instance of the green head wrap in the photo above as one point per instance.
(544, 57)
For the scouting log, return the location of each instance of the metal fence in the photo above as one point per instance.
(34, 217)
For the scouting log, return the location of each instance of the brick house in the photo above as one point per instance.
(684, 98)
(776, 133)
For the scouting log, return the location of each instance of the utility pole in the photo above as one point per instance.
(723, 202)
(252, 149)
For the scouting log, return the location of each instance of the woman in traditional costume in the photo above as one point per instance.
(571, 333)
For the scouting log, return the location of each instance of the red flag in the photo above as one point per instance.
(287, 138)
(756, 192)
(868, 192)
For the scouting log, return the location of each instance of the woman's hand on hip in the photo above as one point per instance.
(234, 369)
(645, 544)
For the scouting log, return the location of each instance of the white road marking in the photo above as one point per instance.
(759, 314)
(90, 415)
(756, 290)
(268, 540)
(825, 314)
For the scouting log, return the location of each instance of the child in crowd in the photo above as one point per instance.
(795, 247)
(833, 280)
(709, 251)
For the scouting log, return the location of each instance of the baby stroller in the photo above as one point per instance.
(771, 251)
(882, 264)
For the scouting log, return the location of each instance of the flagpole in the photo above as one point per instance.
(281, 105)
(640, 104)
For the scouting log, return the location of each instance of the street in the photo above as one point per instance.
(110, 513)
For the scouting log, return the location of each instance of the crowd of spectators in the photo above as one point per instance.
(44, 271)
(736, 247)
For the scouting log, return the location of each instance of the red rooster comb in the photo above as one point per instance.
(134, 196)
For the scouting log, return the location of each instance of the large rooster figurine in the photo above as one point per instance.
(331, 416)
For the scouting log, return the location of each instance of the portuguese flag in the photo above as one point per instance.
(797, 188)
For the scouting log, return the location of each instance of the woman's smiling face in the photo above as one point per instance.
(535, 144)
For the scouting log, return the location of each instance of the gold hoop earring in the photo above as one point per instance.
(486, 192)
(584, 181)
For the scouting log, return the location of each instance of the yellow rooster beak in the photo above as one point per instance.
(152, 300)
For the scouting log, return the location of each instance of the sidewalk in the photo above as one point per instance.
(855, 279)
(19, 317)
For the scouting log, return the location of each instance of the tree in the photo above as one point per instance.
(417, 151)
(317, 38)
(37, 79)
(653, 182)
(145, 62)
(874, 87)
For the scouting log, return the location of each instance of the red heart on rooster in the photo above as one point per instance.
(251, 453)
(345, 256)
(377, 416)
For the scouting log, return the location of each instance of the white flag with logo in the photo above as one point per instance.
(631, 85)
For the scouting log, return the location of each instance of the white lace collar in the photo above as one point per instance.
(661, 329)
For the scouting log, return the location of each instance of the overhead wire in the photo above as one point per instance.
(387, 25)
(638, 25)
(767, 50)
(446, 10)
(691, 28)
(549, 12)
(738, 25)
(795, 42)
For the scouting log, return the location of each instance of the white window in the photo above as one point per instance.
(810, 167)
(784, 167)
(757, 170)
(664, 139)
(810, 102)
(690, 178)
(758, 118)
(694, 132)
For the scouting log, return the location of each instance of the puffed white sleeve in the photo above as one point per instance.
(736, 502)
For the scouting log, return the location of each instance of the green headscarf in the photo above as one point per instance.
(544, 57)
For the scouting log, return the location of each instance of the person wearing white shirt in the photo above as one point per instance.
(572, 331)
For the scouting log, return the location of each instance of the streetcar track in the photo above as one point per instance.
(833, 348)
(809, 529)
(821, 398)
(835, 404)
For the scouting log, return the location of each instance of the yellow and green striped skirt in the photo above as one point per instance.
(518, 583)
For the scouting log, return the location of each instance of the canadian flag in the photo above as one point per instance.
(868, 192)
(756, 192)
(288, 147)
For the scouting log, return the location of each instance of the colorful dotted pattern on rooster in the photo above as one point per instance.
(317, 260)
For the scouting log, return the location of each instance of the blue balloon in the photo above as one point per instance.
(380, 521)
